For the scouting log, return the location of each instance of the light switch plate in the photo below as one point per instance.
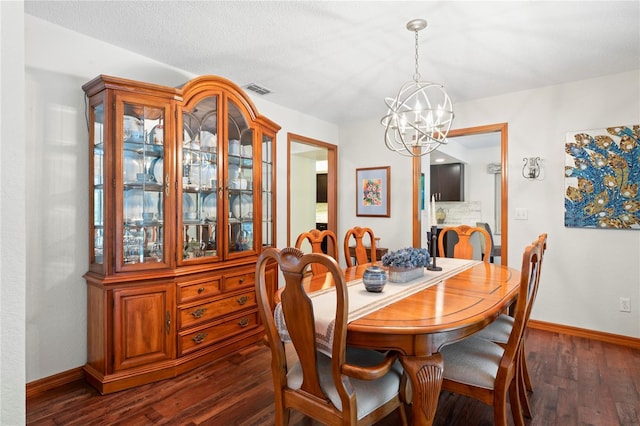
(522, 214)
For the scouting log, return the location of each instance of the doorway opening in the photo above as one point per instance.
(311, 186)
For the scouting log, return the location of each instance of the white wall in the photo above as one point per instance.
(586, 270)
(13, 255)
(480, 184)
(362, 146)
(303, 190)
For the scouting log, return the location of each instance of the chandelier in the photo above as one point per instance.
(419, 117)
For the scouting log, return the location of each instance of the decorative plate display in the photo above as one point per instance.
(133, 203)
(208, 141)
(209, 207)
(242, 206)
(156, 135)
(202, 174)
(132, 166)
(188, 207)
(133, 129)
(151, 203)
(234, 147)
(234, 171)
(157, 169)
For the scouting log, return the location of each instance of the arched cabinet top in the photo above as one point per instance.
(197, 88)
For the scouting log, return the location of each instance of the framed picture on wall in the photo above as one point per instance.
(373, 191)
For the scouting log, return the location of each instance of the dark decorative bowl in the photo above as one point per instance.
(374, 279)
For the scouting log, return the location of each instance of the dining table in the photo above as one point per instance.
(416, 319)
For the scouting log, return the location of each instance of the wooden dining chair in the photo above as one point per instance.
(486, 371)
(361, 256)
(496, 250)
(315, 238)
(463, 248)
(500, 330)
(350, 387)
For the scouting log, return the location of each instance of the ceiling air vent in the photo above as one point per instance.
(258, 89)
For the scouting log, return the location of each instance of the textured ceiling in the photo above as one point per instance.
(339, 60)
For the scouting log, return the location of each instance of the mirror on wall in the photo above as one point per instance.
(311, 177)
(479, 154)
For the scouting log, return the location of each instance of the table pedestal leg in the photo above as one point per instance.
(425, 375)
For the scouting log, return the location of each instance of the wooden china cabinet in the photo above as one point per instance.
(182, 201)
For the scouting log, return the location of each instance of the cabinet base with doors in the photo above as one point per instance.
(182, 202)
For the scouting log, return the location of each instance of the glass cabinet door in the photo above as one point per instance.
(240, 182)
(198, 213)
(268, 199)
(97, 172)
(145, 185)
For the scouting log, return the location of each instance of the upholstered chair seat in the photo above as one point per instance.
(499, 330)
(371, 394)
(473, 361)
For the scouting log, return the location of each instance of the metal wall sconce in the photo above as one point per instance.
(532, 168)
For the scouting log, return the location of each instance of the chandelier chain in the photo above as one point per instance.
(416, 76)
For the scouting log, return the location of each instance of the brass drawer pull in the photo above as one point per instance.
(242, 300)
(198, 313)
(200, 290)
(241, 280)
(244, 322)
(199, 338)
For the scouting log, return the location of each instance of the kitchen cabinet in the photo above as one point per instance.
(181, 203)
(447, 182)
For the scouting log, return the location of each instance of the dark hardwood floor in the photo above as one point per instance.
(577, 381)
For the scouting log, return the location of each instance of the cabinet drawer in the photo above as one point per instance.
(204, 312)
(198, 290)
(204, 337)
(235, 282)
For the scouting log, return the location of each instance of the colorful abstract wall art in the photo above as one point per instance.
(602, 174)
(373, 194)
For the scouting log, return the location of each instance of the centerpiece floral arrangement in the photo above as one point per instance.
(406, 258)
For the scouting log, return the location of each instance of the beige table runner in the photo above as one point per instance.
(362, 302)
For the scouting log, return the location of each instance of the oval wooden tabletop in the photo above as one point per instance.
(445, 312)
(477, 291)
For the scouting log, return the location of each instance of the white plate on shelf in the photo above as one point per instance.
(242, 206)
(157, 170)
(188, 207)
(156, 135)
(234, 171)
(133, 203)
(151, 203)
(202, 174)
(132, 166)
(208, 140)
(209, 206)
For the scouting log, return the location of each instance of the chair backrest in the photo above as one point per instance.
(361, 255)
(297, 310)
(542, 240)
(315, 238)
(529, 281)
(463, 249)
